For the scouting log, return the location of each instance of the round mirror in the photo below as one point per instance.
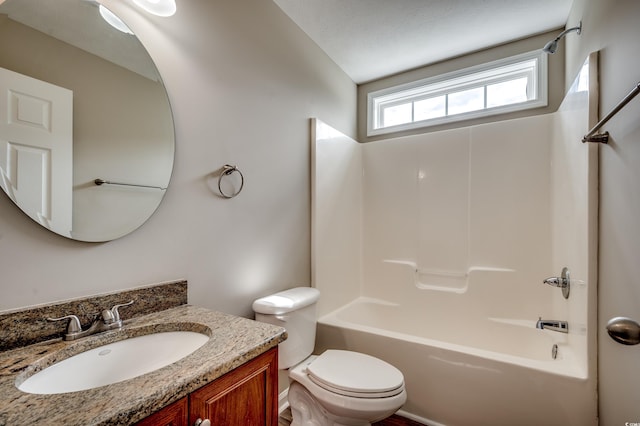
(86, 131)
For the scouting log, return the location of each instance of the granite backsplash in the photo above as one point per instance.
(27, 326)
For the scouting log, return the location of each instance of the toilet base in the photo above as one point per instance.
(307, 411)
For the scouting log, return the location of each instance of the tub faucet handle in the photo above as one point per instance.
(563, 282)
(556, 281)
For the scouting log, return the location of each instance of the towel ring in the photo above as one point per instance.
(226, 171)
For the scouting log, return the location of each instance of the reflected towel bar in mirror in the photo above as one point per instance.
(99, 182)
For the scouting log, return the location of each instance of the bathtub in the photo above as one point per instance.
(469, 371)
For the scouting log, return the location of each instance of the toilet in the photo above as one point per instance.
(337, 387)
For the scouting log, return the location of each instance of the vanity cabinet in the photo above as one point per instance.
(246, 396)
(176, 414)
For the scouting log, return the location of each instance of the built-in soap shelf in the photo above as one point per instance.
(443, 280)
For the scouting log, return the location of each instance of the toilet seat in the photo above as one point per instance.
(355, 374)
(340, 406)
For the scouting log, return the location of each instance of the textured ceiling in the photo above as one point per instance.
(370, 39)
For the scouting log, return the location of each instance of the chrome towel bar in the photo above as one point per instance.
(604, 137)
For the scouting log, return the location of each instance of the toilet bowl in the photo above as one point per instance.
(352, 388)
(337, 387)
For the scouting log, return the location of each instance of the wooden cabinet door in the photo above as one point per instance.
(175, 414)
(246, 396)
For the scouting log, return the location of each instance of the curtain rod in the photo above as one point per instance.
(604, 137)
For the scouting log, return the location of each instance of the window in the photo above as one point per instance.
(507, 85)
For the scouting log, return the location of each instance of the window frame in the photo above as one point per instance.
(482, 75)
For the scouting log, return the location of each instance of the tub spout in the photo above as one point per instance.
(553, 325)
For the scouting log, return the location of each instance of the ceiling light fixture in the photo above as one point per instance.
(113, 20)
(158, 7)
(552, 46)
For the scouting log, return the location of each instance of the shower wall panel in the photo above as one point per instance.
(443, 208)
(336, 206)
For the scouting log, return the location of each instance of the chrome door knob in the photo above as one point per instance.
(624, 330)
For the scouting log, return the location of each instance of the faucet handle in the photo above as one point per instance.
(74, 323)
(563, 281)
(555, 281)
(114, 310)
(108, 317)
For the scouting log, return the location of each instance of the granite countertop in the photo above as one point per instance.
(233, 341)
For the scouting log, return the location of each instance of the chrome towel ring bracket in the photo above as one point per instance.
(227, 171)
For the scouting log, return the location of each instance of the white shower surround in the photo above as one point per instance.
(430, 251)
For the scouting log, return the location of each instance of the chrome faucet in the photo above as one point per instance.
(109, 319)
(553, 325)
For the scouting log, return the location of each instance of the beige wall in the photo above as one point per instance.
(612, 28)
(243, 81)
(556, 84)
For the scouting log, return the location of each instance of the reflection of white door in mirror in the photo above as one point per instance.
(36, 148)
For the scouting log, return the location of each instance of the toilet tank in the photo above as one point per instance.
(295, 310)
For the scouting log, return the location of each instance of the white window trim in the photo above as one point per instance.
(467, 78)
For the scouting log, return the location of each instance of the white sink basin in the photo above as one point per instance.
(114, 362)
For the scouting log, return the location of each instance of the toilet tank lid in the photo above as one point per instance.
(286, 301)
